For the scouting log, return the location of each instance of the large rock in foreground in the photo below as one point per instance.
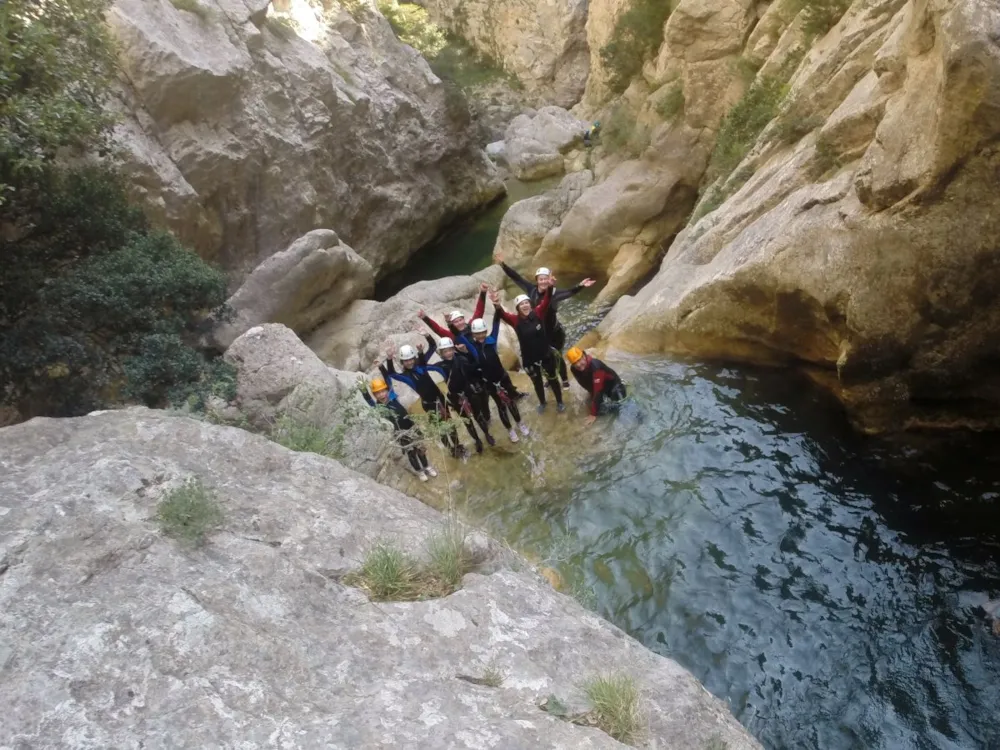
(116, 634)
(868, 248)
(243, 134)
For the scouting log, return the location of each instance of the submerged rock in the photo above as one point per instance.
(243, 131)
(252, 640)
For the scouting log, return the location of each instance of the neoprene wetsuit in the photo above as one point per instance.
(606, 389)
(466, 392)
(537, 354)
(407, 433)
(418, 379)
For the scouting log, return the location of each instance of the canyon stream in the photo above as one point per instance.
(825, 584)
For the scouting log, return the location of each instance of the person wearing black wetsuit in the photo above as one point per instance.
(537, 356)
(498, 382)
(407, 435)
(416, 375)
(458, 331)
(553, 328)
(606, 389)
(466, 391)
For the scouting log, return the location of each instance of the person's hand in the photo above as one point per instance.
(390, 349)
(484, 287)
(420, 347)
(494, 296)
(552, 280)
(421, 314)
(499, 257)
(587, 282)
(590, 420)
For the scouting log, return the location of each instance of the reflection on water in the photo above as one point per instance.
(824, 585)
(827, 590)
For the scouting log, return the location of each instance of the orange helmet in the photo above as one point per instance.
(574, 355)
(379, 385)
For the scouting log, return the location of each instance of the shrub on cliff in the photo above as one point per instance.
(95, 307)
(637, 34)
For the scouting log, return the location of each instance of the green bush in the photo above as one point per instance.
(621, 134)
(637, 34)
(744, 122)
(671, 103)
(819, 16)
(94, 306)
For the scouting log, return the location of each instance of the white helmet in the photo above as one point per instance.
(543, 271)
(521, 298)
(479, 326)
(445, 343)
(454, 314)
(407, 352)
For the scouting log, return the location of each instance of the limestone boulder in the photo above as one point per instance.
(253, 639)
(358, 337)
(544, 45)
(246, 128)
(535, 145)
(867, 249)
(314, 278)
(525, 224)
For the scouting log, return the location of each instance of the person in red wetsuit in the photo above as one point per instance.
(606, 389)
(458, 329)
(537, 355)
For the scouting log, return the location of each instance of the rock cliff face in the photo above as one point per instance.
(243, 134)
(859, 234)
(543, 44)
(116, 636)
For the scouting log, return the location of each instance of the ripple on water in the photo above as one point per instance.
(826, 587)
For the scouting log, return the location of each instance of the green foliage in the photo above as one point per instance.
(189, 513)
(790, 128)
(819, 16)
(746, 69)
(716, 743)
(191, 6)
(637, 34)
(414, 27)
(56, 64)
(388, 574)
(448, 558)
(307, 436)
(621, 134)
(826, 158)
(493, 675)
(94, 306)
(671, 103)
(615, 701)
(744, 122)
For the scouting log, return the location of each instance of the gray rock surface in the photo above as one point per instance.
(535, 145)
(302, 286)
(245, 129)
(115, 636)
(356, 337)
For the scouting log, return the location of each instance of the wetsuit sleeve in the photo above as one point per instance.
(368, 398)
(387, 369)
(480, 306)
(431, 348)
(508, 318)
(543, 306)
(567, 293)
(517, 278)
(598, 396)
(439, 329)
(497, 317)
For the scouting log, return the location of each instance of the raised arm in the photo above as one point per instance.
(543, 305)
(508, 318)
(497, 317)
(481, 302)
(431, 348)
(567, 293)
(439, 329)
(517, 278)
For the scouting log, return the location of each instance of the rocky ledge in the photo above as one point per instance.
(117, 636)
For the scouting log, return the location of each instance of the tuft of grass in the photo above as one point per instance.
(493, 675)
(637, 34)
(189, 513)
(715, 742)
(615, 701)
(192, 6)
(746, 69)
(671, 104)
(621, 133)
(308, 437)
(390, 575)
(819, 16)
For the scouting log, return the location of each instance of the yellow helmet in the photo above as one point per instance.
(379, 385)
(574, 355)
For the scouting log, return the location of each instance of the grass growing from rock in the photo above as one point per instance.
(390, 575)
(191, 6)
(671, 104)
(744, 123)
(189, 513)
(308, 437)
(493, 675)
(819, 16)
(615, 701)
(621, 134)
(637, 34)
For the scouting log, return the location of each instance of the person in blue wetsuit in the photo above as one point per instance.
(466, 391)
(416, 375)
(407, 435)
(494, 374)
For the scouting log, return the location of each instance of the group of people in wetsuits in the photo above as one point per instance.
(470, 365)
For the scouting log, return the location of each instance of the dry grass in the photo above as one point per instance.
(615, 701)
